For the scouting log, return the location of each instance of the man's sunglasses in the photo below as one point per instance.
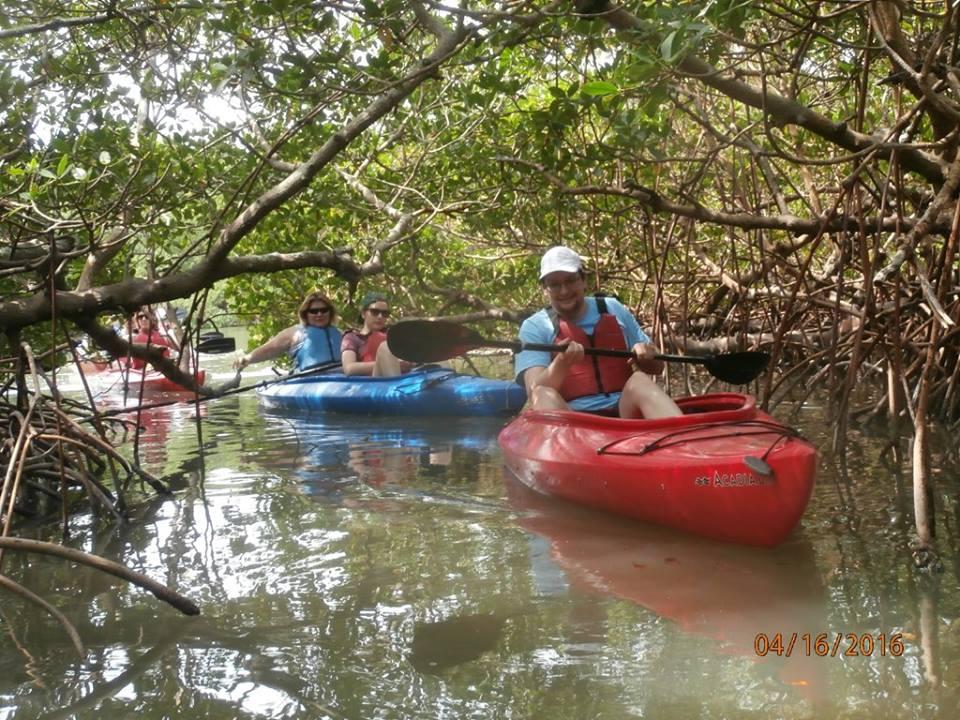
(380, 313)
(318, 311)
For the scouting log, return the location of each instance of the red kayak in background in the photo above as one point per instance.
(724, 469)
(118, 379)
(128, 375)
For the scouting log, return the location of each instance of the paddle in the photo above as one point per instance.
(426, 341)
(230, 387)
(217, 345)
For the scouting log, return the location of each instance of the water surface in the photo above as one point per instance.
(375, 568)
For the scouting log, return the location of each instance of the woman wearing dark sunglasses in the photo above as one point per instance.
(146, 332)
(315, 341)
(364, 351)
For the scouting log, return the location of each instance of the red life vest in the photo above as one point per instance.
(372, 344)
(595, 375)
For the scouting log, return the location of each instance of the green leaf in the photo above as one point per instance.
(599, 88)
(371, 9)
(666, 47)
(63, 165)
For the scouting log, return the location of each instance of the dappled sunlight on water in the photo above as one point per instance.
(365, 568)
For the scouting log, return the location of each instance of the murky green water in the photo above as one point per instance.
(371, 568)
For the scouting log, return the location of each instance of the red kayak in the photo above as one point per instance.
(153, 381)
(724, 469)
(92, 367)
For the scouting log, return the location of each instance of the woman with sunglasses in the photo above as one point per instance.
(315, 341)
(146, 332)
(364, 351)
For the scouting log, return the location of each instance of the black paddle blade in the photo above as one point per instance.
(217, 345)
(427, 341)
(737, 368)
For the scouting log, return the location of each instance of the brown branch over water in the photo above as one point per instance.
(18, 589)
(158, 590)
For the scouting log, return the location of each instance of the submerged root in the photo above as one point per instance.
(50, 461)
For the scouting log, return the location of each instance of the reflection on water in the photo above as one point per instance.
(438, 646)
(362, 568)
(724, 592)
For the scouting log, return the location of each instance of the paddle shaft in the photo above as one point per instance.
(426, 341)
(604, 352)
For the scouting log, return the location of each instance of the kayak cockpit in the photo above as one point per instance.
(697, 410)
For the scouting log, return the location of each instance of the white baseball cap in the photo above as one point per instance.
(560, 259)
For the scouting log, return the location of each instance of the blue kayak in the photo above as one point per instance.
(425, 391)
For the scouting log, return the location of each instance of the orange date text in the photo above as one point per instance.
(829, 644)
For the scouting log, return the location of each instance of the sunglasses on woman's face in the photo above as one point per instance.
(379, 313)
(143, 317)
(318, 310)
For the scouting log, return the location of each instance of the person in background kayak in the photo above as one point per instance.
(364, 350)
(572, 380)
(314, 341)
(146, 332)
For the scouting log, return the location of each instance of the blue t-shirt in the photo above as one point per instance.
(538, 328)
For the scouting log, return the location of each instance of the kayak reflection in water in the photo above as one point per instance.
(314, 341)
(364, 351)
(573, 380)
(728, 593)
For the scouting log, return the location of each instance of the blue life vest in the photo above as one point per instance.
(316, 346)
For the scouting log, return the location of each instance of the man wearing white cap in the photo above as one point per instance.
(572, 379)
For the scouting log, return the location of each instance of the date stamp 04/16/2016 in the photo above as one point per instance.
(829, 644)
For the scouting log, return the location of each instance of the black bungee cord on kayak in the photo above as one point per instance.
(763, 427)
